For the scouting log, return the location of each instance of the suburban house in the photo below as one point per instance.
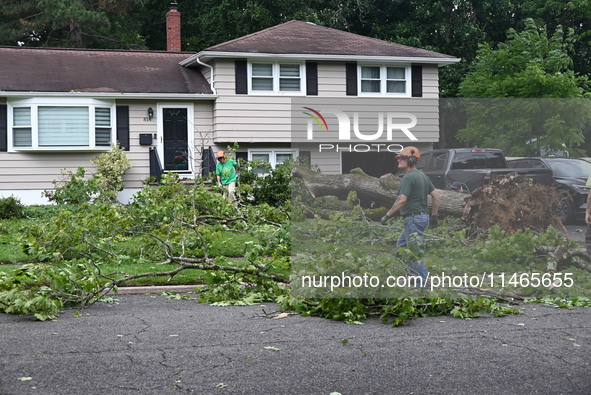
(59, 108)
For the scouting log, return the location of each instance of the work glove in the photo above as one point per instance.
(384, 219)
(433, 221)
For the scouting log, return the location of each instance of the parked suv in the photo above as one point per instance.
(570, 176)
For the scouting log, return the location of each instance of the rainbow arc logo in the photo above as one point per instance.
(315, 115)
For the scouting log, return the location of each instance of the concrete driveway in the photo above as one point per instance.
(148, 344)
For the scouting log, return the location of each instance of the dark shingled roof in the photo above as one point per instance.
(82, 70)
(297, 37)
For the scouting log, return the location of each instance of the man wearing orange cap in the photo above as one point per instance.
(225, 171)
(412, 205)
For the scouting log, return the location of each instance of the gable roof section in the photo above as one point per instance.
(304, 38)
(97, 71)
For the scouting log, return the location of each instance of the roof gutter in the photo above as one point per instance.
(206, 55)
(111, 95)
(212, 83)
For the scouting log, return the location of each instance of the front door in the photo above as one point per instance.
(175, 140)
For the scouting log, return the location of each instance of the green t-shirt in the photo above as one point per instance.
(416, 186)
(588, 185)
(226, 171)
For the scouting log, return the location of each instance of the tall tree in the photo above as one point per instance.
(575, 14)
(216, 21)
(530, 64)
(70, 23)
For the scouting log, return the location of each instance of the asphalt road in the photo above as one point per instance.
(577, 232)
(148, 344)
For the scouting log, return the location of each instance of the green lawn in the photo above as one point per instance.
(228, 243)
(11, 250)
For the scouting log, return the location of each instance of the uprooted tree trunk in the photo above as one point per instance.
(509, 201)
(382, 191)
(513, 204)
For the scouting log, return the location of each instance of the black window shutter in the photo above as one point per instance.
(312, 78)
(123, 126)
(242, 156)
(351, 71)
(416, 72)
(305, 158)
(3, 128)
(241, 73)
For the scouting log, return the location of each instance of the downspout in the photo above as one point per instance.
(212, 84)
(212, 75)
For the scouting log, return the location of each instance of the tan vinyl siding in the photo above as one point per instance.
(251, 120)
(248, 118)
(138, 154)
(331, 79)
(430, 82)
(225, 81)
(259, 118)
(203, 138)
(36, 171)
(328, 162)
(243, 118)
(206, 72)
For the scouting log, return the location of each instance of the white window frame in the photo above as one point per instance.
(272, 152)
(384, 80)
(275, 68)
(34, 105)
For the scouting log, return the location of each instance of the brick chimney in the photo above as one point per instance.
(173, 29)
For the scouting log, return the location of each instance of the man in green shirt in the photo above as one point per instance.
(225, 171)
(412, 205)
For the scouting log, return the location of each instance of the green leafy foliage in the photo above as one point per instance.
(562, 302)
(395, 310)
(180, 225)
(530, 64)
(229, 289)
(110, 168)
(272, 188)
(43, 290)
(71, 23)
(172, 223)
(517, 248)
(73, 188)
(103, 186)
(11, 207)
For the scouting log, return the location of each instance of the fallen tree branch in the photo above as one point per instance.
(562, 256)
(382, 191)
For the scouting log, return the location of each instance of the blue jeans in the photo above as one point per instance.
(415, 225)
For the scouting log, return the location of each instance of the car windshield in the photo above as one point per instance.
(570, 167)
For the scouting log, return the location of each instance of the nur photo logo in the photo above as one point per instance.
(390, 122)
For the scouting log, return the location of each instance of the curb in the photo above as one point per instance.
(155, 289)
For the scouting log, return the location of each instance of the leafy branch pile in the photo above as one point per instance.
(172, 223)
(181, 227)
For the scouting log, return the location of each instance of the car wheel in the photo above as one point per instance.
(565, 209)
